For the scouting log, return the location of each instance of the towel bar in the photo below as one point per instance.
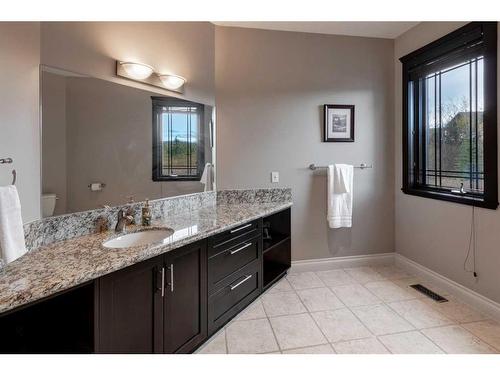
(14, 174)
(313, 167)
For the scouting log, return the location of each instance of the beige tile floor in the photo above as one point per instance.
(360, 310)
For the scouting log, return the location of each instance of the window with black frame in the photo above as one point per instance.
(178, 133)
(449, 117)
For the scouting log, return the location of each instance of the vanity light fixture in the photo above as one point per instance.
(146, 74)
(137, 70)
(172, 82)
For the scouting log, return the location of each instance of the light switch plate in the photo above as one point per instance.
(275, 177)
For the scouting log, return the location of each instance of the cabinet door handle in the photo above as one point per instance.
(163, 281)
(233, 287)
(232, 252)
(240, 228)
(171, 277)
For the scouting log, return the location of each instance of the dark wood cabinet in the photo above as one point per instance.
(241, 289)
(61, 323)
(156, 306)
(276, 239)
(185, 302)
(234, 272)
(224, 261)
(127, 301)
(168, 304)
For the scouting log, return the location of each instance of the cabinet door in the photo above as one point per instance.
(128, 300)
(185, 321)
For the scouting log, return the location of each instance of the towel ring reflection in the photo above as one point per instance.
(14, 173)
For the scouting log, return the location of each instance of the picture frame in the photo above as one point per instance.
(338, 123)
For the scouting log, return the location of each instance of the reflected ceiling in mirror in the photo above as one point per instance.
(103, 142)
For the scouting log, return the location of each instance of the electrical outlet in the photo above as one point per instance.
(275, 177)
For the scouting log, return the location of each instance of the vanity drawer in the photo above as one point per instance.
(225, 239)
(223, 263)
(230, 300)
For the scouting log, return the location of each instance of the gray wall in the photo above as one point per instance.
(435, 233)
(270, 87)
(54, 139)
(19, 132)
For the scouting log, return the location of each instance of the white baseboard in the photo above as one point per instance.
(478, 301)
(341, 262)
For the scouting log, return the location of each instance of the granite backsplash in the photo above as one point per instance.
(59, 228)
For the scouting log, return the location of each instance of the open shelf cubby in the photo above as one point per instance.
(277, 246)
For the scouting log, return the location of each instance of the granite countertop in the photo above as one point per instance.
(62, 265)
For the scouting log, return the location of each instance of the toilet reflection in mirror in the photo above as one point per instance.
(48, 204)
(97, 130)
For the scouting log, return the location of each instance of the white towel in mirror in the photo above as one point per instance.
(207, 177)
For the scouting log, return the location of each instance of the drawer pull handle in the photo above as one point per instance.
(241, 228)
(233, 287)
(232, 252)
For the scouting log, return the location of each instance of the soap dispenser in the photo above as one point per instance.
(146, 214)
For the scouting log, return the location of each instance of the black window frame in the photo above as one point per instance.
(158, 104)
(467, 41)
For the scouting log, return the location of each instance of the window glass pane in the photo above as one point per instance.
(411, 129)
(453, 127)
(179, 143)
(194, 143)
(479, 121)
(165, 150)
(431, 130)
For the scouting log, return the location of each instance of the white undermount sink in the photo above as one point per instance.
(145, 237)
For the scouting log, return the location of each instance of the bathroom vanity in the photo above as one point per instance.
(77, 296)
(85, 287)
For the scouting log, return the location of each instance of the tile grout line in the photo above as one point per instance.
(381, 343)
(460, 326)
(321, 331)
(369, 330)
(308, 313)
(272, 329)
(311, 346)
(333, 291)
(473, 334)
(225, 340)
(435, 343)
(398, 314)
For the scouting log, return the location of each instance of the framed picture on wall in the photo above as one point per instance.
(339, 123)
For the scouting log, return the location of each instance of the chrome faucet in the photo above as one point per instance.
(125, 217)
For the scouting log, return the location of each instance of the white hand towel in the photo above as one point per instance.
(206, 177)
(340, 188)
(12, 244)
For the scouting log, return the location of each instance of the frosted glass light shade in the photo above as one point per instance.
(137, 70)
(172, 82)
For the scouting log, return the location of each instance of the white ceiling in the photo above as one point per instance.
(388, 30)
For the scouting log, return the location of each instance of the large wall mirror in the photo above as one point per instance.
(107, 144)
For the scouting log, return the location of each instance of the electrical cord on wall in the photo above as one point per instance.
(472, 246)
